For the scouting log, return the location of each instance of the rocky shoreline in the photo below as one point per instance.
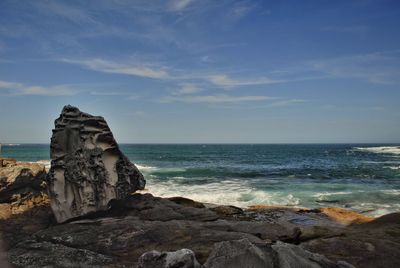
(123, 235)
(84, 212)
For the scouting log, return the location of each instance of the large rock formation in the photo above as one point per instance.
(87, 168)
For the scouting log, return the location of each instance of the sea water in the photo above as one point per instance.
(363, 178)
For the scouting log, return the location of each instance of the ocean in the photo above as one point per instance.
(359, 177)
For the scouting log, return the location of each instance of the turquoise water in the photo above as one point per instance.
(364, 178)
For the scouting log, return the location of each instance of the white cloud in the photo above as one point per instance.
(20, 89)
(187, 89)
(215, 99)
(179, 5)
(223, 80)
(105, 66)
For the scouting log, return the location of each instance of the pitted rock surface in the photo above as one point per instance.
(87, 168)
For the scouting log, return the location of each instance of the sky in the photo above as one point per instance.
(203, 71)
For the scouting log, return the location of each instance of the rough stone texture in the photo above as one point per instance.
(143, 223)
(238, 254)
(183, 258)
(292, 256)
(20, 181)
(22, 188)
(372, 244)
(4, 162)
(30, 255)
(87, 168)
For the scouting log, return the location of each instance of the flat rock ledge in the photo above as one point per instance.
(147, 231)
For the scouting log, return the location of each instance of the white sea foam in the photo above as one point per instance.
(320, 195)
(144, 168)
(232, 192)
(150, 169)
(391, 192)
(380, 149)
(393, 168)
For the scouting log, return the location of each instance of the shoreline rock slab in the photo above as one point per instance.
(142, 223)
(183, 258)
(87, 168)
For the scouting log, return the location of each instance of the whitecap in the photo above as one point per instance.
(380, 149)
(145, 168)
(393, 168)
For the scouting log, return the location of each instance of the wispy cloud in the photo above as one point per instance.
(287, 102)
(223, 80)
(179, 5)
(105, 66)
(241, 9)
(57, 9)
(377, 68)
(187, 89)
(20, 89)
(214, 99)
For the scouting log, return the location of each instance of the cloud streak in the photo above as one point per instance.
(179, 5)
(20, 89)
(223, 80)
(73, 14)
(187, 89)
(105, 66)
(214, 99)
(376, 68)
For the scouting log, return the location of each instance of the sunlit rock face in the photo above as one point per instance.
(87, 168)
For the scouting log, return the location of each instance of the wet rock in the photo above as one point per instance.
(87, 168)
(238, 254)
(183, 258)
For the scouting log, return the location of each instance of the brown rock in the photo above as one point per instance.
(345, 216)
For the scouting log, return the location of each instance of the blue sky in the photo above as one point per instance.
(183, 71)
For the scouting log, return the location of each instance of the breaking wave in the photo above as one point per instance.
(380, 149)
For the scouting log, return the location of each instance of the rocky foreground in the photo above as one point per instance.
(84, 213)
(147, 231)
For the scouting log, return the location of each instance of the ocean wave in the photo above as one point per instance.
(321, 195)
(229, 192)
(393, 168)
(380, 149)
